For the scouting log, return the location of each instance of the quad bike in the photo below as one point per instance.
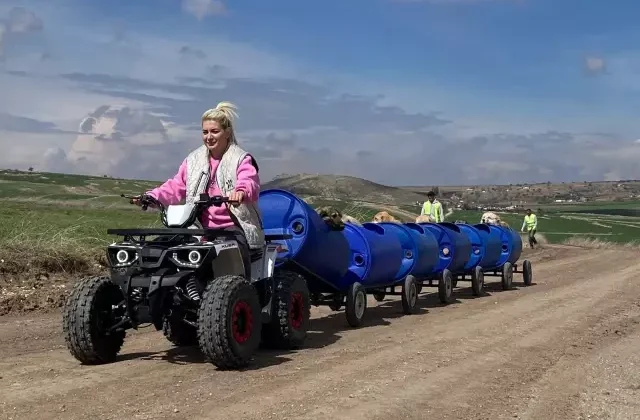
(190, 283)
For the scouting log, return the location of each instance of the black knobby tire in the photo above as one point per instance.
(291, 312)
(445, 286)
(178, 332)
(527, 273)
(507, 275)
(477, 281)
(84, 321)
(379, 296)
(356, 305)
(229, 322)
(409, 295)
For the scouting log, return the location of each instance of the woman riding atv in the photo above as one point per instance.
(235, 175)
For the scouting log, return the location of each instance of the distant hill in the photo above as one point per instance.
(344, 188)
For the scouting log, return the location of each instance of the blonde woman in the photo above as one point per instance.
(220, 167)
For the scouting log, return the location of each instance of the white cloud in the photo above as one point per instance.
(133, 110)
(594, 64)
(203, 8)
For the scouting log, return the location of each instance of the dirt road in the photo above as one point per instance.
(564, 348)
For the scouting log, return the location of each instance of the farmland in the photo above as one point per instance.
(596, 222)
(71, 213)
(54, 226)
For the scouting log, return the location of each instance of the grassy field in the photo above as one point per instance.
(47, 216)
(53, 228)
(558, 227)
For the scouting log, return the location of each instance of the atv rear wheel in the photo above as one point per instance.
(291, 312)
(178, 332)
(229, 322)
(87, 317)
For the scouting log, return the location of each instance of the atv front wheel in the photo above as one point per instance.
(291, 312)
(88, 314)
(229, 322)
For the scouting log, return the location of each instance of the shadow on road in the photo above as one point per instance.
(327, 330)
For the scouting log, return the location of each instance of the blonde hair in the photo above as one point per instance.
(224, 113)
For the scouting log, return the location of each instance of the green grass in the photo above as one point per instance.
(56, 217)
(599, 205)
(557, 227)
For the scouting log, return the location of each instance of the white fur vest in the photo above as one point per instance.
(198, 176)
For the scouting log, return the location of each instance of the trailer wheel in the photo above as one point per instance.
(527, 274)
(507, 275)
(356, 304)
(445, 286)
(409, 295)
(477, 281)
(379, 296)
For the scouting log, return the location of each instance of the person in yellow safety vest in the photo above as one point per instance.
(433, 208)
(531, 223)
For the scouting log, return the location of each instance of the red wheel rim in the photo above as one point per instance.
(241, 321)
(296, 313)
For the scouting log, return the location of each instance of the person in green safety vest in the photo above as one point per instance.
(433, 208)
(531, 223)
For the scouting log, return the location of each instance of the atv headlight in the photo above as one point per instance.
(194, 256)
(189, 257)
(122, 256)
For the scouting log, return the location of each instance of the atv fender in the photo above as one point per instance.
(228, 261)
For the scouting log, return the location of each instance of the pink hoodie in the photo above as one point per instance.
(173, 191)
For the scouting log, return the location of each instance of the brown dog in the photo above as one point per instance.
(384, 216)
(425, 218)
(334, 217)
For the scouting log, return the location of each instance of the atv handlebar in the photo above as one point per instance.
(216, 200)
(145, 201)
(204, 200)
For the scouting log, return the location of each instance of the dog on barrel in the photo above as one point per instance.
(334, 218)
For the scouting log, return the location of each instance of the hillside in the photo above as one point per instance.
(348, 188)
(548, 193)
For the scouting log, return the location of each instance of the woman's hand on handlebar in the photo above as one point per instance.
(236, 197)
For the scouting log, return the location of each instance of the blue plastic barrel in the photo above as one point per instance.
(510, 245)
(314, 245)
(409, 247)
(492, 246)
(454, 246)
(477, 245)
(376, 256)
(426, 259)
(516, 245)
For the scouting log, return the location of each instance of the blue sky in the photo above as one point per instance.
(396, 91)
